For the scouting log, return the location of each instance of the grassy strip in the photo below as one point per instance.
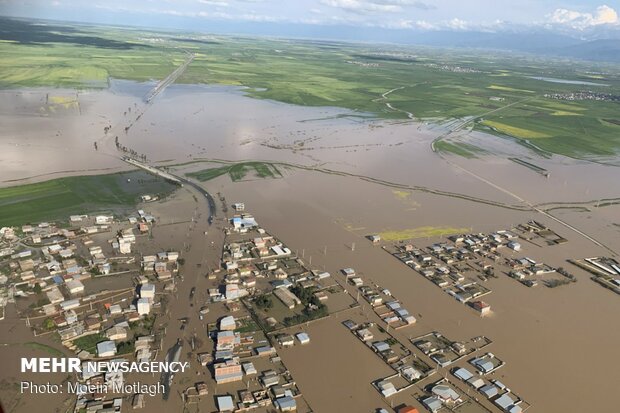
(239, 171)
(58, 198)
(421, 232)
(458, 148)
(44, 347)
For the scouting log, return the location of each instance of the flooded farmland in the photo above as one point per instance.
(346, 176)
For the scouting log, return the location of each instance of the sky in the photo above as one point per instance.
(573, 17)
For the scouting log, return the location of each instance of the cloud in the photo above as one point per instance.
(367, 6)
(580, 21)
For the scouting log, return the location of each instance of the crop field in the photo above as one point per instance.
(499, 90)
(421, 232)
(59, 198)
(239, 171)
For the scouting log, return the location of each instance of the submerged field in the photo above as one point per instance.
(239, 171)
(503, 94)
(59, 198)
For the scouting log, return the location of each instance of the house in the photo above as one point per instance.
(144, 306)
(147, 291)
(482, 307)
(386, 388)
(286, 404)
(270, 378)
(289, 299)
(54, 295)
(432, 403)
(106, 349)
(483, 364)
(225, 404)
(489, 391)
(103, 219)
(410, 373)
(407, 409)
(116, 333)
(248, 368)
(286, 340)
(71, 317)
(303, 338)
(380, 346)
(227, 371)
(364, 334)
(75, 287)
(462, 374)
(265, 351)
(507, 404)
(228, 323)
(445, 393)
(69, 304)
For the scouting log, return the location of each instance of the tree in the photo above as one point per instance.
(37, 289)
(49, 324)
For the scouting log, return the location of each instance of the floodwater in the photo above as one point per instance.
(556, 342)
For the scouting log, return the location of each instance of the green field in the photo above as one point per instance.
(431, 83)
(58, 198)
(239, 171)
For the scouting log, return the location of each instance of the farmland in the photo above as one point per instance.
(504, 93)
(58, 198)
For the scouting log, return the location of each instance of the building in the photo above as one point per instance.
(75, 287)
(147, 291)
(286, 404)
(386, 388)
(144, 306)
(303, 338)
(289, 299)
(227, 371)
(116, 333)
(106, 349)
(228, 323)
(54, 295)
(365, 334)
(482, 307)
(248, 368)
(446, 394)
(225, 404)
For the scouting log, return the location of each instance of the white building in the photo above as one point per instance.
(75, 287)
(144, 306)
(106, 349)
(147, 291)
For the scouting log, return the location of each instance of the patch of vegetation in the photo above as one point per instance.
(264, 302)
(89, 343)
(313, 307)
(458, 148)
(59, 198)
(420, 232)
(126, 347)
(44, 347)
(239, 171)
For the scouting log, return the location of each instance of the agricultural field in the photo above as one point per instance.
(239, 171)
(500, 93)
(59, 198)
